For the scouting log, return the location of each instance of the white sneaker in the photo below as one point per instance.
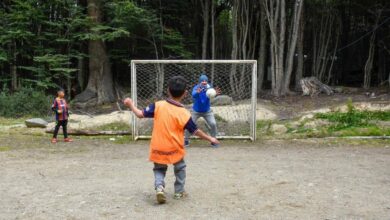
(160, 195)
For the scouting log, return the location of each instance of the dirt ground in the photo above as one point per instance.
(100, 179)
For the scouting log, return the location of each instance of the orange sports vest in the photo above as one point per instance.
(167, 144)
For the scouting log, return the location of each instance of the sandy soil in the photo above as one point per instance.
(98, 179)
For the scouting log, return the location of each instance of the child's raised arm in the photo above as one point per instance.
(129, 103)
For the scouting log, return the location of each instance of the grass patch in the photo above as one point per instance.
(263, 125)
(353, 120)
(115, 126)
(370, 130)
(12, 121)
(125, 139)
(4, 148)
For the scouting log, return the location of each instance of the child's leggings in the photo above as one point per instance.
(62, 123)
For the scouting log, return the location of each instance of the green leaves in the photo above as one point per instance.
(46, 40)
(102, 32)
(40, 38)
(174, 43)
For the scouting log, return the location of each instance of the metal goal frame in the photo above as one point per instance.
(134, 119)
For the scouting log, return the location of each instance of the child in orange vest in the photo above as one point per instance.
(167, 144)
(60, 107)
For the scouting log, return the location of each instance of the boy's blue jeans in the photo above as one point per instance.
(210, 120)
(180, 173)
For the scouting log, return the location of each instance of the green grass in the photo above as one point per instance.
(353, 119)
(369, 130)
(116, 126)
(263, 125)
(12, 121)
(350, 123)
(4, 148)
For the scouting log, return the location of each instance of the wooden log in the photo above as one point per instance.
(312, 86)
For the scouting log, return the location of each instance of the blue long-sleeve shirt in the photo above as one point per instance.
(201, 101)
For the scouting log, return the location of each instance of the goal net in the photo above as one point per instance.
(234, 109)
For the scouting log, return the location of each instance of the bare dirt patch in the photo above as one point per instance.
(98, 179)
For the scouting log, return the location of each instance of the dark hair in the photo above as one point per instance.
(177, 85)
(60, 90)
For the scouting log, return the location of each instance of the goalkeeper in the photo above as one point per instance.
(202, 108)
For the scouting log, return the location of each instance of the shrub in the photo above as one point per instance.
(353, 118)
(26, 101)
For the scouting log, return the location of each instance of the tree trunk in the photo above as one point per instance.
(281, 49)
(282, 60)
(100, 82)
(369, 62)
(371, 54)
(13, 69)
(262, 49)
(333, 57)
(300, 45)
(326, 37)
(80, 74)
(234, 43)
(292, 45)
(206, 15)
(212, 38)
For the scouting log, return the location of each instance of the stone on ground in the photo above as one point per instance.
(278, 129)
(36, 123)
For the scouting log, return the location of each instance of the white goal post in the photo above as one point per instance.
(234, 110)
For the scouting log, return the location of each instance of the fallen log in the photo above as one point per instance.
(92, 132)
(312, 86)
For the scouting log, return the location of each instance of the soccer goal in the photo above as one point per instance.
(234, 109)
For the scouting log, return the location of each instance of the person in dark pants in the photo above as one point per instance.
(60, 107)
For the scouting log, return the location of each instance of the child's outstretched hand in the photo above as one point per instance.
(218, 90)
(128, 102)
(214, 140)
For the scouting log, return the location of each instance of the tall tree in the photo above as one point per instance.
(371, 52)
(100, 82)
(263, 48)
(326, 35)
(281, 54)
(206, 20)
(300, 49)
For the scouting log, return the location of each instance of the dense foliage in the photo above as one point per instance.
(49, 44)
(24, 102)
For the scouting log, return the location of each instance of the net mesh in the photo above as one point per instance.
(233, 109)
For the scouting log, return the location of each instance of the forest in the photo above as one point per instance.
(85, 46)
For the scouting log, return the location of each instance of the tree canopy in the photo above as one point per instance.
(85, 46)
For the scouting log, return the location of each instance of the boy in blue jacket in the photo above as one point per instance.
(202, 108)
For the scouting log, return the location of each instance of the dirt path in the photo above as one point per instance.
(97, 179)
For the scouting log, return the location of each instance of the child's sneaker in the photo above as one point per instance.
(180, 195)
(160, 195)
(54, 140)
(214, 145)
(68, 140)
